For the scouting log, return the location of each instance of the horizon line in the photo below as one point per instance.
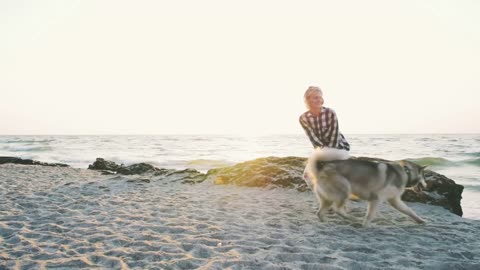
(231, 134)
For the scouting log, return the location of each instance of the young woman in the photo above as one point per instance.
(320, 123)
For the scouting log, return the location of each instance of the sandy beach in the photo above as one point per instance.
(69, 218)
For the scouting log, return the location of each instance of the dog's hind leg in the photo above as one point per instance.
(342, 210)
(398, 204)
(371, 211)
(324, 207)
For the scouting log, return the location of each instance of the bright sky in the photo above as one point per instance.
(210, 67)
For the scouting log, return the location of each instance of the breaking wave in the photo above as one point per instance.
(29, 148)
(443, 162)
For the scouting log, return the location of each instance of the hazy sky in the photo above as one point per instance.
(169, 67)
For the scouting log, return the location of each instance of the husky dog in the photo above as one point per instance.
(332, 176)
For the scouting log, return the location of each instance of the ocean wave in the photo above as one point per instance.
(43, 148)
(443, 162)
(433, 161)
(30, 141)
(475, 162)
(472, 187)
(473, 154)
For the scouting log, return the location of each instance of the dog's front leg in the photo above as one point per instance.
(371, 211)
(398, 204)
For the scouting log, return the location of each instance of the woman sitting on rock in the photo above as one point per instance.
(320, 123)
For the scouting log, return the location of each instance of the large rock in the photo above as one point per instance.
(440, 190)
(287, 173)
(281, 172)
(15, 160)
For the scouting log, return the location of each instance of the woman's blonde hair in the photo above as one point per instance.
(311, 90)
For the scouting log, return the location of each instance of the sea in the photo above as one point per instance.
(456, 156)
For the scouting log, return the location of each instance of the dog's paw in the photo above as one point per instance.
(320, 216)
(366, 224)
(357, 225)
(421, 221)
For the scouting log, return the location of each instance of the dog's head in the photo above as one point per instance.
(415, 174)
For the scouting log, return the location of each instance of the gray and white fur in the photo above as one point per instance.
(333, 177)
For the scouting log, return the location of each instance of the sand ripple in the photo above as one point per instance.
(72, 218)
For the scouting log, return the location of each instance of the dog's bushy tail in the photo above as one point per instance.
(324, 154)
(329, 154)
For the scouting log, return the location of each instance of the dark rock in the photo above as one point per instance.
(15, 160)
(187, 176)
(109, 167)
(139, 168)
(440, 191)
(101, 164)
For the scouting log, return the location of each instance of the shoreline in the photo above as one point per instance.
(284, 172)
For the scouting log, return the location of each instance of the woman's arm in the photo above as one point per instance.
(316, 142)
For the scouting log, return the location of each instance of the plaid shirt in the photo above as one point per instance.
(323, 130)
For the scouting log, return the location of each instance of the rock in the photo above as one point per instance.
(282, 172)
(108, 167)
(440, 191)
(101, 164)
(15, 160)
(287, 173)
(187, 176)
(139, 168)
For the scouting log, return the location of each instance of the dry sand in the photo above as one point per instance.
(65, 218)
